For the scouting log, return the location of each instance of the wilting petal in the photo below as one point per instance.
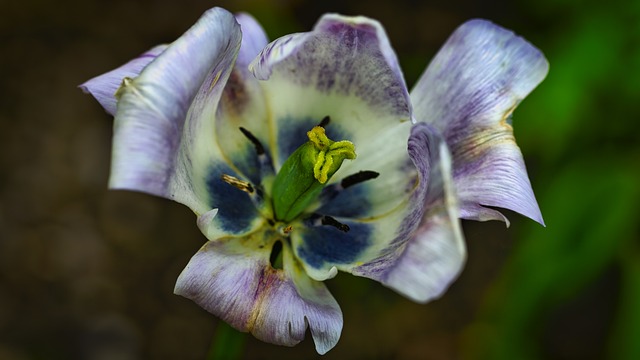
(417, 249)
(468, 92)
(161, 133)
(104, 87)
(232, 278)
(346, 69)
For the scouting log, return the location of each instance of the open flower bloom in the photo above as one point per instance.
(309, 155)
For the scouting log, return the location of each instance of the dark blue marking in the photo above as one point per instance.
(292, 133)
(246, 160)
(326, 244)
(351, 202)
(235, 209)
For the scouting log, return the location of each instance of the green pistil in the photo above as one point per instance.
(305, 172)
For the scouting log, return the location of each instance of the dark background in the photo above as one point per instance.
(87, 273)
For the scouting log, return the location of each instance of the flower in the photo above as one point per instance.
(309, 155)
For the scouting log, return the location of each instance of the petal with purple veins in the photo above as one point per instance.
(162, 132)
(417, 249)
(243, 105)
(468, 92)
(254, 39)
(104, 87)
(233, 279)
(345, 69)
(429, 251)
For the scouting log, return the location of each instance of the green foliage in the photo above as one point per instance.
(579, 129)
(590, 216)
(228, 343)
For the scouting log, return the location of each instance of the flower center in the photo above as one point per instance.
(301, 180)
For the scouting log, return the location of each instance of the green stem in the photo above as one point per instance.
(227, 343)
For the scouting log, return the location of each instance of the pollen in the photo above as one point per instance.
(328, 152)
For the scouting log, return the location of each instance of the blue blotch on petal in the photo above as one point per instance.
(247, 161)
(326, 244)
(236, 212)
(292, 133)
(351, 202)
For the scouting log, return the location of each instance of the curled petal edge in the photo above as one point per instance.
(429, 251)
(468, 92)
(274, 305)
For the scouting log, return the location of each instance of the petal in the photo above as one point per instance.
(468, 92)
(393, 186)
(254, 39)
(417, 249)
(243, 105)
(232, 278)
(162, 144)
(428, 252)
(104, 87)
(346, 69)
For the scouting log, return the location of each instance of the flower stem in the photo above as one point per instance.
(227, 343)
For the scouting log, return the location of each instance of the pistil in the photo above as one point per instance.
(303, 175)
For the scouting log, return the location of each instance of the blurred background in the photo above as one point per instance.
(87, 273)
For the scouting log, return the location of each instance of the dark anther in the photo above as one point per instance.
(254, 140)
(275, 258)
(358, 177)
(325, 121)
(328, 220)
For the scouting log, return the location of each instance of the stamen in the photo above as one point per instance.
(254, 140)
(237, 183)
(284, 230)
(325, 121)
(328, 220)
(255, 193)
(264, 163)
(360, 176)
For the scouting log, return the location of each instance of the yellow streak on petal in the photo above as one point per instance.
(215, 80)
(269, 280)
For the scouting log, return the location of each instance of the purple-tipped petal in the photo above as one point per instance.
(103, 88)
(162, 128)
(468, 92)
(345, 69)
(417, 248)
(428, 251)
(232, 279)
(243, 105)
